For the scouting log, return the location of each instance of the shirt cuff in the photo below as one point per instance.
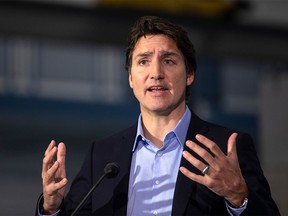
(236, 211)
(40, 209)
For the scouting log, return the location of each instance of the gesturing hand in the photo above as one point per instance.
(53, 177)
(224, 176)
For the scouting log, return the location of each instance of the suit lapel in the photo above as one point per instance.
(124, 157)
(184, 186)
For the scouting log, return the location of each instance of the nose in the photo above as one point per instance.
(156, 72)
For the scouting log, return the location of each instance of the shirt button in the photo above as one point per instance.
(155, 213)
(159, 154)
(157, 182)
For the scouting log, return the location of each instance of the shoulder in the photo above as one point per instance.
(210, 127)
(122, 134)
(120, 139)
(220, 133)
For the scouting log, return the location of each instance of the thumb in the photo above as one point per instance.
(231, 146)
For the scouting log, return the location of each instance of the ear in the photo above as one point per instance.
(130, 80)
(190, 78)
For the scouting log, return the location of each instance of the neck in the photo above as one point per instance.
(156, 127)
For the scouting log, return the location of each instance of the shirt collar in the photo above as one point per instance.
(180, 130)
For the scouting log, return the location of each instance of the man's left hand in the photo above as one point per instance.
(224, 175)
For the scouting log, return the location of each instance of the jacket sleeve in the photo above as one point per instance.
(80, 186)
(260, 201)
(39, 207)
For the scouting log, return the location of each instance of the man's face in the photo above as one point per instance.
(158, 75)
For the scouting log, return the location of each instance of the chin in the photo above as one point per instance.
(161, 110)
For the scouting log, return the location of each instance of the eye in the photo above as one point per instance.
(169, 62)
(143, 62)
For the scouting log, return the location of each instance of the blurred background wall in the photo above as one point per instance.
(62, 77)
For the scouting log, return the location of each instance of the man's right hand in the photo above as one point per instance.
(54, 177)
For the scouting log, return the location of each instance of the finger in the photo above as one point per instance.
(231, 146)
(59, 185)
(203, 153)
(50, 175)
(50, 147)
(61, 153)
(50, 151)
(194, 161)
(48, 159)
(210, 145)
(61, 157)
(52, 188)
(191, 175)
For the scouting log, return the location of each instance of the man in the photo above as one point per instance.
(171, 161)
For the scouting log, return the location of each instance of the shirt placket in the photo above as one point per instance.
(157, 181)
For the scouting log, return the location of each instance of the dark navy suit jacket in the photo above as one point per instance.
(190, 198)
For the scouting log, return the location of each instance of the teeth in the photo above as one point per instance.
(156, 88)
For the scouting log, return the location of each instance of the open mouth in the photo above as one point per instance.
(156, 88)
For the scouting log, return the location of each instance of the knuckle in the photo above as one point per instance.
(197, 163)
(219, 170)
(210, 184)
(213, 147)
(46, 160)
(205, 154)
(43, 176)
(46, 190)
(49, 189)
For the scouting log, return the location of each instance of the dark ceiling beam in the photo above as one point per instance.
(222, 37)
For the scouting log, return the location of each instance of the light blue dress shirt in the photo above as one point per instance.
(154, 171)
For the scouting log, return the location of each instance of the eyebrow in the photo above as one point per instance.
(162, 53)
(169, 53)
(143, 54)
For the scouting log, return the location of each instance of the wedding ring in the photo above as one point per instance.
(205, 170)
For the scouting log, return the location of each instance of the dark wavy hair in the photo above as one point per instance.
(152, 25)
